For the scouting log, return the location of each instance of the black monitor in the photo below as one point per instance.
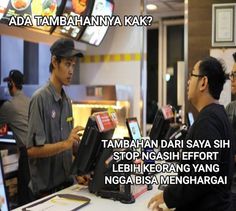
(134, 130)
(90, 148)
(161, 123)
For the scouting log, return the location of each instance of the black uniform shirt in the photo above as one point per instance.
(212, 124)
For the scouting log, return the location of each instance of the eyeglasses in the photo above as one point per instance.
(195, 75)
(232, 75)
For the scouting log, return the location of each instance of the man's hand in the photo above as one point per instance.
(80, 128)
(83, 180)
(156, 201)
(73, 137)
(48, 150)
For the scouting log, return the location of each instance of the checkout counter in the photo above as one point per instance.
(85, 101)
(98, 203)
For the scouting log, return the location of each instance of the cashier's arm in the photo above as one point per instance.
(48, 150)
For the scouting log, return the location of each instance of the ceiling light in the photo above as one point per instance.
(151, 7)
(167, 77)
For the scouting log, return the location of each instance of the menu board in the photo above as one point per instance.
(32, 8)
(50, 11)
(3, 7)
(95, 34)
(45, 8)
(74, 8)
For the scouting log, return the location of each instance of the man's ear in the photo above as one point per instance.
(54, 61)
(10, 84)
(203, 83)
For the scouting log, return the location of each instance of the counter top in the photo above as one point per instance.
(98, 203)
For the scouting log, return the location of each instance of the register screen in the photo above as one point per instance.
(190, 118)
(134, 128)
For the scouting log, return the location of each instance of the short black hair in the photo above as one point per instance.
(58, 58)
(215, 72)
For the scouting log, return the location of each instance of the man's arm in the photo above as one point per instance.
(48, 150)
(5, 110)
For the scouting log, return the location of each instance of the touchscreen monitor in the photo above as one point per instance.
(133, 127)
(134, 130)
(90, 148)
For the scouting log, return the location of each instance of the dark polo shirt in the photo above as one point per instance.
(50, 121)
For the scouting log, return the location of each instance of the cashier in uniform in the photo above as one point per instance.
(51, 135)
(14, 112)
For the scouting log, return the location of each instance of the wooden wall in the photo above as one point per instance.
(199, 28)
(199, 33)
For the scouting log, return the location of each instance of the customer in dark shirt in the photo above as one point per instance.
(204, 87)
(231, 111)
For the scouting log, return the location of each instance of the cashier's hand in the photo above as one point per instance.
(73, 138)
(156, 201)
(83, 180)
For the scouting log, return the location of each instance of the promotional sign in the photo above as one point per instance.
(3, 7)
(74, 8)
(32, 8)
(167, 112)
(16, 8)
(44, 8)
(95, 34)
(70, 18)
(105, 122)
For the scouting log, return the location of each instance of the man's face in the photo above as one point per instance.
(64, 70)
(233, 79)
(193, 82)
